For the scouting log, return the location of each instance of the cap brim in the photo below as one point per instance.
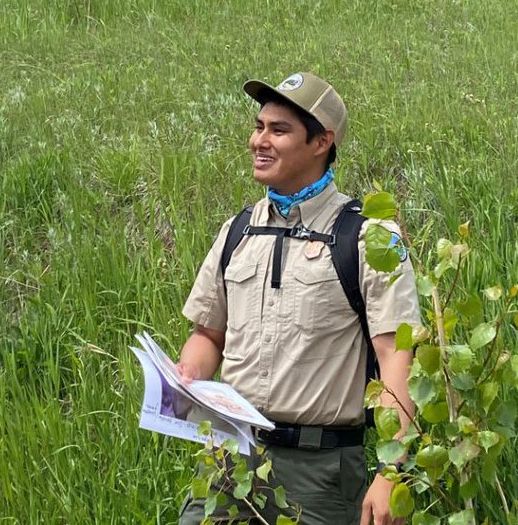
(254, 88)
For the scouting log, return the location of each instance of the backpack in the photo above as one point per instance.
(343, 243)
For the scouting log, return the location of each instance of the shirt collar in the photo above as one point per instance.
(313, 213)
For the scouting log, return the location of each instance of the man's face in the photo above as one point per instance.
(282, 158)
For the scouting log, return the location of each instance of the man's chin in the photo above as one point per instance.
(263, 177)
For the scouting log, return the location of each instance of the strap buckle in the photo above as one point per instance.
(300, 232)
(246, 230)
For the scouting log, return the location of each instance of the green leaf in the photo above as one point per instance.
(460, 358)
(259, 499)
(420, 334)
(470, 307)
(439, 270)
(469, 489)
(424, 518)
(421, 389)
(241, 472)
(200, 488)
(433, 458)
(424, 285)
(265, 469)
(488, 392)
(429, 357)
(387, 422)
(204, 428)
(284, 520)
(463, 382)
(444, 247)
(373, 392)
(242, 489)
(404, 337)
(482, 335)
(464, 517)
(494, 293)
(389, 451)
(231, 445)
(379, 206)
(463, 453)
(211, 502)
(450, 320)
(466, 425)
(378, 253)
(401, 502)
(487, 439)
(280, 497)
(436, 412)
(233, 511)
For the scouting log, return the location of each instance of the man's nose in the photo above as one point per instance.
(261, 139)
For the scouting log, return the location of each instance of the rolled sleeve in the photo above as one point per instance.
(388, 305)
(207, 302)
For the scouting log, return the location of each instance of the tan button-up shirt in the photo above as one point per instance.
(297, 352)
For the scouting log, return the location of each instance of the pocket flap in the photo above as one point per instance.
(240, 273)
(314, 275)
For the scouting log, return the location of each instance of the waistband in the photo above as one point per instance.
(310, 437)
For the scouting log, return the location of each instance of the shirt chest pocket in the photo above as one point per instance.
(319, 299)
(243, 295)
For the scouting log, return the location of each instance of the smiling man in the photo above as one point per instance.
(274, 315)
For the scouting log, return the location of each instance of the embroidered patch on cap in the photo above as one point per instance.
(397, 243)
(291, 83)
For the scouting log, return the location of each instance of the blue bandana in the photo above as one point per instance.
(284, 203)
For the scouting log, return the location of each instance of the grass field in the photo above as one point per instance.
(123, 132)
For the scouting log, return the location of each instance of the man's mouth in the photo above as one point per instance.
(262, 161)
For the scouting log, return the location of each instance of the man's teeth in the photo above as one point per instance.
(264, 158)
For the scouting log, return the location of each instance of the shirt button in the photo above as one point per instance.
(264, 373)
(271, 302)
(268, 338)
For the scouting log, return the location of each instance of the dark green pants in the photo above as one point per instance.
(329, 485)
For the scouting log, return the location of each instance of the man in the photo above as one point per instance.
(279, 323)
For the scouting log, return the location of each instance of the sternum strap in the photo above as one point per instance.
(297, 232)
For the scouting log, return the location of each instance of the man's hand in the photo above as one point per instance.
(201, 354)
(375, 507)
(188, 372)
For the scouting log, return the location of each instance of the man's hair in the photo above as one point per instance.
(312, 125)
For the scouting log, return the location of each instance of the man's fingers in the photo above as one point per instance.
(366, 513)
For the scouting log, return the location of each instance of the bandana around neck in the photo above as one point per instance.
(284, 203)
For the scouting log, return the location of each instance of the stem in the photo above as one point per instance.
(439, 321)
(410, 418)
(450, 392)
(453, 284)
(439, 492)
(502, 497)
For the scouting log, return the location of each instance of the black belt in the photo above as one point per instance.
(311, 437)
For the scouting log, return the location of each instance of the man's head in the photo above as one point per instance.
(300, 124)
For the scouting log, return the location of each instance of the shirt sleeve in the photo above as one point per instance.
(207, 302)
(388, 305)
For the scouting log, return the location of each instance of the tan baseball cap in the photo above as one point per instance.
(313, 95)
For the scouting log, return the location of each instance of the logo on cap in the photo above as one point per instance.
(291, 83)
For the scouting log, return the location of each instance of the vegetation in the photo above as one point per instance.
(123, 132)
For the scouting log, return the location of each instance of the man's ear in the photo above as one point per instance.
(324, 142)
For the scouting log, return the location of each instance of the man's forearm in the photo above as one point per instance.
(394, 369)
(202, 353)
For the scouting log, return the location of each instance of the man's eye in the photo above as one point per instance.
(279, 131)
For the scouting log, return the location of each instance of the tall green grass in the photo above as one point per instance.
(123, 132)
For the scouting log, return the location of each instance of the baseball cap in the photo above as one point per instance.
(311, 94)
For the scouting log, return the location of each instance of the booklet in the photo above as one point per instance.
(175, 408)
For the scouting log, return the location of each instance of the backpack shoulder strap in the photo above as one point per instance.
(234, 236)
(344, 253)
(345, 257)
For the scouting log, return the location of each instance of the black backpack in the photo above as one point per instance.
(343, 243)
